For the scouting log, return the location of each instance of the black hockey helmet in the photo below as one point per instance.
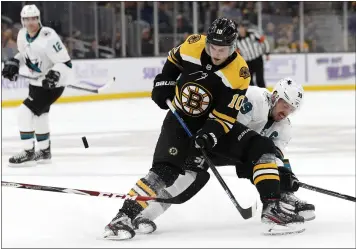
(222, 32)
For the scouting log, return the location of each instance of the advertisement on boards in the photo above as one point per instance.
(282, 66)
(131, 74)
(137, 74)
(331, 69)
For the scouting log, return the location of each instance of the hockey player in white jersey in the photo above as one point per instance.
(42, 52)
(267, 113)
(263, 114)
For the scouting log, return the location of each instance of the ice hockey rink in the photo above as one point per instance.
(122, 135)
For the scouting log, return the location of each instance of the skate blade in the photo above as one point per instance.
(145, 229)
(284, 229)
(44, 161)
(307, 215)
(22, 165)
(121, 235)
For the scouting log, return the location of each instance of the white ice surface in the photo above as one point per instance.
(44, 219)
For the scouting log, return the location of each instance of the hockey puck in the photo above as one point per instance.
(85, 142)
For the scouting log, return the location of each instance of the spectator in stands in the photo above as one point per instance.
(78, 45)
(92, 51)
(315, 48)
(295, 47)
(282, 46)
(147, 12)
(250, 13)
(230, 10)
(147, 48)
(118, 46)
(105, 40)
(164, 18)
(9, 46)
(270, 34)
(183, 25)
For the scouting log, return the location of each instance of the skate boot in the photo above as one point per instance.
(301, 207)
(144, 225)
(280, 218)
(120, 228)
(44, 156)
(24, 158)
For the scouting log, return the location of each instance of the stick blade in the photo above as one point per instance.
(249, 212)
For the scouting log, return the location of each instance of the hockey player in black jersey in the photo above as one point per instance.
(206, 80)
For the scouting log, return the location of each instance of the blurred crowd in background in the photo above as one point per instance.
(97, 30)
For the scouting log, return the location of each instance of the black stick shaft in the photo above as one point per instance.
(327, 192)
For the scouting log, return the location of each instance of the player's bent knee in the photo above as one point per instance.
(167, 173)
(260, 147)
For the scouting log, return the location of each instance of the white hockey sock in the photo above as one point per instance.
(26, 124)
(42, 131)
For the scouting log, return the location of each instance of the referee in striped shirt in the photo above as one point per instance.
(252, 46)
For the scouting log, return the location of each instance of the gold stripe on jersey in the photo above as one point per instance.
(230, 74)
(177, 93)
(226, 125)
(192, 51)
(177, 103)
(226, 128)
(224, 117)
(172, 58)
(142, 203)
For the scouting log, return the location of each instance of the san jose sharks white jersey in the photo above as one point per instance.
(254, 114)
(41, 53)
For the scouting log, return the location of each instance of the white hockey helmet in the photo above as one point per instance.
(290, 91)
(30, 11)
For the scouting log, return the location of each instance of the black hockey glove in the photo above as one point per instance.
(163, 90)
(205, 140)
(289, 182)
(51, 80)
(11, 69)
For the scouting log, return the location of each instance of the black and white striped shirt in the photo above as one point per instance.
(253, 45)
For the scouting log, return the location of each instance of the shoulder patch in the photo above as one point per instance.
(194, 39)
(244, 72)
(46, 33)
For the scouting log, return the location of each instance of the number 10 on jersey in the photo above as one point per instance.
(236, 101)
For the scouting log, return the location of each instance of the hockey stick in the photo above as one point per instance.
(195, 187)
(245, 213)
(99, 90)
(327, 192)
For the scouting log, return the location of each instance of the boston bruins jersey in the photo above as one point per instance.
(206, 96)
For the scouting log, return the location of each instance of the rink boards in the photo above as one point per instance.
(335, 71)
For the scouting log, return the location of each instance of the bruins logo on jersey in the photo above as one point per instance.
(194, 39)
(195, 99)
(244, 72)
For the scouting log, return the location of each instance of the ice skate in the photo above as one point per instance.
(281, 219)
(144, 225)
(44, 156)
(120, 228)
(23, 159)
(302, 208)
